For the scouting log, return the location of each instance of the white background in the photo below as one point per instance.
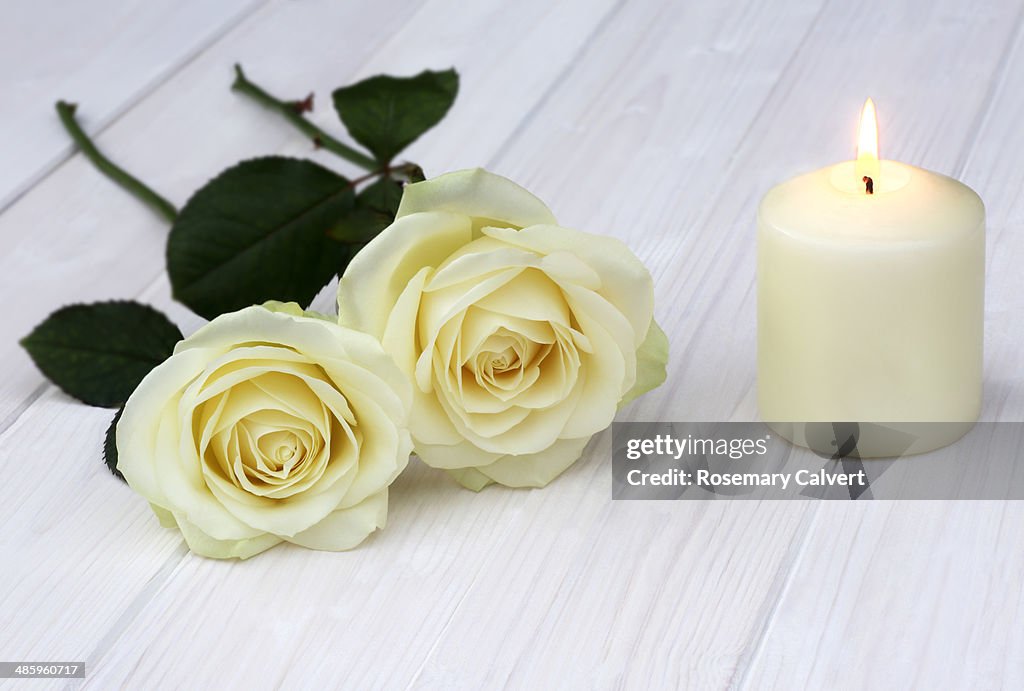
(659, 122)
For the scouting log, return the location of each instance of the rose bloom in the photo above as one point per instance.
(268, 425)
(522, 337)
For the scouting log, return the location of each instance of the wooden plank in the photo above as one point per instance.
(470, 576)
(880, 586)
(902, 595)
(108, 54)
(83, 552)
(678, 596)
(85, 604)
(79, 547)
(531, 586)
(77, 237)
(84, 230)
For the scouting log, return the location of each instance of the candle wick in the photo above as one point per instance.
(869, 185)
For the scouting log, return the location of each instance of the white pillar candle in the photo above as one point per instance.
(870, 305)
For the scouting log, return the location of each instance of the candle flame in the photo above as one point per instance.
(867, 143)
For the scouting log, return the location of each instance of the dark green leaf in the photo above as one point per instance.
(386, 114)
(374, 211)
(383, 195)
(110, 445)
(359, 226)
(99, 353)
(415, 174)
(258, 231)
(350, 254)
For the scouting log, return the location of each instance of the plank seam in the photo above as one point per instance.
(239, 20)
(998, 84)
(783, 580)
(49, 167)
(749, 660)
(159, 579)
(559, 79)
(743, 141)
(22, 407)
(503, 149)
(155, 583)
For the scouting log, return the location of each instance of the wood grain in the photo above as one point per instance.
(223, 131)
(662, 124)
(107, 54)
(894, 582)
(91, 241)
(702, 259)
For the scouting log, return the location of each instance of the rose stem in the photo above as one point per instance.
(133, 185)
(292, 112)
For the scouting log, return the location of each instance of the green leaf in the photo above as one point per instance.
(258, 231)
(416, 174)
(99, 353)
(383, 195)
(110, 446)
(386, 114)
(359, 226)
(374, 210)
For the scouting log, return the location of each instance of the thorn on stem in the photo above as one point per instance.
(317, 142)
(305, 105)
(239, 77)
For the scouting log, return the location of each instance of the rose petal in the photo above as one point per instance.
(345, 528)
(470, 478)
(462, 454)
(529, 295)
(651, 359)
(366, 365)
(384, 453)
(207, 546)
(625, 281)
(427, 421)
(286, 517)
(180, 477)
(470, 265)
(478, 194)
(165, 517)
(307, 340)
(602, 375)
(379, 273)
(511, 430)
(438, 307)
(479, 323)
(245, 399)
(556, 376)
(538, 469)
(278, 387)
(137, 430)
(592, 308)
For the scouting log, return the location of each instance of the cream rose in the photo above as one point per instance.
(268, 425)
(522, 337)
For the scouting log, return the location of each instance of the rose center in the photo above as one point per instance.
(505, 360)
(280, 450)
(285, 452)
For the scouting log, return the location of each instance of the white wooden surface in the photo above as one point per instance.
(659, 122)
